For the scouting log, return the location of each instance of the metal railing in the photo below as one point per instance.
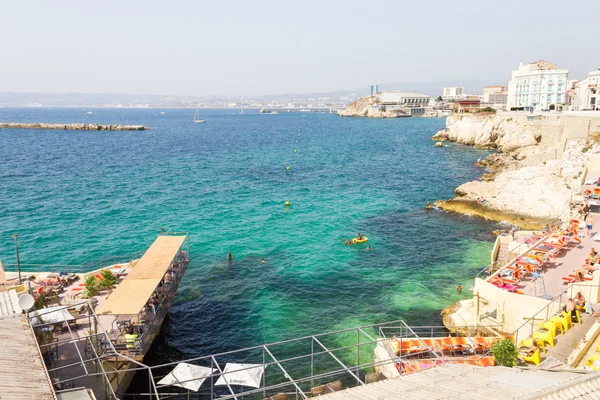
(153, 320)
(83, 354)
(509, 258)
(552, 308)
(72, 268)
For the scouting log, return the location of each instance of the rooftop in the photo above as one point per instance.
(133, 293)
(453, 381)
(19, 348)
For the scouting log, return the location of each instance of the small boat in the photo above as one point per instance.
(197, 116)
(162, 113)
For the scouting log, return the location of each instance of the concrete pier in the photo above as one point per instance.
(74, 127)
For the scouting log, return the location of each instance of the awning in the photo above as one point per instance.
(132, 294)
(188, 376)
(237, 374)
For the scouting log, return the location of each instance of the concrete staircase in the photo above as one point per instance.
(567, 343)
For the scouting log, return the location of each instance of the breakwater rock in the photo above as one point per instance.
(370, 107)
(469, 207)
(73, 127)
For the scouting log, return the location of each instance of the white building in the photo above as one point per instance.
(490, 93)
(539, 85)
(586, 95)
(414, 103)
(453, 93)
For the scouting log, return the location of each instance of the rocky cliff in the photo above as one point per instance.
(494, 131)
(531, 179)
(369, 107)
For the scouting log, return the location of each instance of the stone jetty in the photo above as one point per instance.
(74, 127)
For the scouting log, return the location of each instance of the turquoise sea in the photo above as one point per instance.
(77, 197)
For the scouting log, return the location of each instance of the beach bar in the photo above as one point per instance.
(133, 313)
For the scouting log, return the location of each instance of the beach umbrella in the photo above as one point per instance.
(187, 376)
(241, 374)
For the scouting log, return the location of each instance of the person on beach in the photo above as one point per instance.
(579, 301)
(589, 225)
(570, 308)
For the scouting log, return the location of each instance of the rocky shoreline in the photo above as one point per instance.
(73, 127)
(369, 107)
(535, 173)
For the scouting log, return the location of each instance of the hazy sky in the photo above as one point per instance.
(267, 47)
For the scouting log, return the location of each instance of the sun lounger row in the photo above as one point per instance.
(443, 344)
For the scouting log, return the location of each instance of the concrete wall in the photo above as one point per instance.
(511, 308)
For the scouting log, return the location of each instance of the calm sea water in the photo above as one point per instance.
(77, 197)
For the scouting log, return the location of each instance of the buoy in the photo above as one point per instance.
(296, 141)
(287, 203)
(295, 151)
(288, 167)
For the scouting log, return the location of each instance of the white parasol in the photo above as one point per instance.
(187, 376)
(242, 374)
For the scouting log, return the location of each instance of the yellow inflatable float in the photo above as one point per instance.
(357, 240)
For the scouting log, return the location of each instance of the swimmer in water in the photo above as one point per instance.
(229, 256)
(368, 248)
(262, 261)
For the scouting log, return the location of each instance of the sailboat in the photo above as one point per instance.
(90, 111)
(196, 116)
(242, 110)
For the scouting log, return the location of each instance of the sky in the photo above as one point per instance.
(246, 48)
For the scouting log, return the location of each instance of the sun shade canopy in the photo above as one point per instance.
(132, 294)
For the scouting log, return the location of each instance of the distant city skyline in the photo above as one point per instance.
(202, 48)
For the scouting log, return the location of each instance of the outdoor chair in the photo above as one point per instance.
(529, 343)
(593, 362)
(553, 325)
(535, 358)
(567, 316)
(563, 321)
(547, 336)
(487, 361)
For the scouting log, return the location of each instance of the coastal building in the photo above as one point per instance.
(453, 93)
(539, 85)
(495, 95)
(467, 106)
(585, 94)
(412, 103)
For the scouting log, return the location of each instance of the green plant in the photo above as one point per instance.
(584, 150)
(109, 281)
(382, 108)
(92, 288)
(40, 302)
(488, 109)
(506, 353)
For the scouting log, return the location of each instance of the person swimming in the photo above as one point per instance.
(229, 256)
(262, 261)
(368, 248)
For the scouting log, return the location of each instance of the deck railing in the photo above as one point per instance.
(530, 324)
(152, 321)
